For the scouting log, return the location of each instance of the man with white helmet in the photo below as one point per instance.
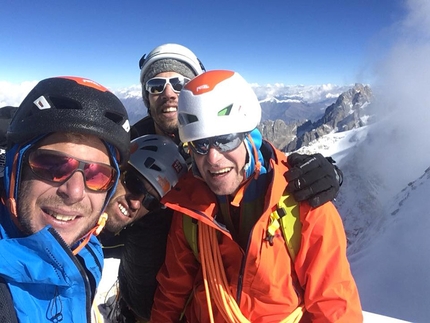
(163, 73)
(243, 271)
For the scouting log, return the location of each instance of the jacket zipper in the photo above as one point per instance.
(242, 270)
(81, 270)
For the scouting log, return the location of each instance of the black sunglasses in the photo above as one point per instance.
(131, 180)
(223, 143)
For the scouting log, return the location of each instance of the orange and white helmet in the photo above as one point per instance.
(217, 103)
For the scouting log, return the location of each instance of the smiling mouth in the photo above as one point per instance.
(62, 217)
(123, 210)
(220, 171)
(170, 109)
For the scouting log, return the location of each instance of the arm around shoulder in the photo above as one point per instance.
(330, 292)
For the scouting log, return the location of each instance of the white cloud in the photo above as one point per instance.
(14, 93)
(400, 149)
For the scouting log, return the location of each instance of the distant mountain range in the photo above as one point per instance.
(349, 111)
(292, 116)
(289, 113)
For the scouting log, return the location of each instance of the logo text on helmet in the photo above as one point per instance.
(87, 82)
(177, 166)
(202, 88)
(208, 81)
(41, 103)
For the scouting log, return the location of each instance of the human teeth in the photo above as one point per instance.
(123, 210)
(221, 171)
(61, 217)
(171, 109)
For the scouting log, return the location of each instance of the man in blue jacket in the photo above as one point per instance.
(66, 143)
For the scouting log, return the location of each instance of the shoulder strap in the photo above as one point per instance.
(189, 225)
(287, 218)
(291, 226)
(6, 304)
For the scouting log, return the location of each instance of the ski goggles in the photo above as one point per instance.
(135, 185)
(57, 167)
(222, 143)
(157, 85)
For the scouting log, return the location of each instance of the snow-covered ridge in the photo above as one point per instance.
(298, 93)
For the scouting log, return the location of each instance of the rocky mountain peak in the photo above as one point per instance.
(349, 111)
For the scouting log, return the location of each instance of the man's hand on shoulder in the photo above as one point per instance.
(313, 178)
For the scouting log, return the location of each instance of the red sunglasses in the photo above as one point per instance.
(57, 167)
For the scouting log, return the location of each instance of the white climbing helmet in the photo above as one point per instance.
(170, 51)
(217, 103)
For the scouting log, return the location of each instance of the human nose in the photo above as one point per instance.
(74, 188)
(168, 91)
(134, 201)
(213, 155)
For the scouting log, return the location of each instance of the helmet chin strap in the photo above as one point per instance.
(257, 168)
(94, 231)
(11, 200)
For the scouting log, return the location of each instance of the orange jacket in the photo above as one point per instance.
(263, 277)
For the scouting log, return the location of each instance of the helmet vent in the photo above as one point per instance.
(150, 163)
(150, 148)
(64, 103)
(185, 118)
(115, 117)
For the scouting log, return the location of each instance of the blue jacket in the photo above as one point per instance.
(47, 282)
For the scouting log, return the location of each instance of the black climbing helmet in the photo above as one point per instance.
(72, 104)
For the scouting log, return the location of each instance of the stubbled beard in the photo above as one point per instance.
(167, 127)
(25, 214)
(23, 210)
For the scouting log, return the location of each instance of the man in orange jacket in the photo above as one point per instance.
(235, 183)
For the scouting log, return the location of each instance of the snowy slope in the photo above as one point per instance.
(389, 241)
(392, 271)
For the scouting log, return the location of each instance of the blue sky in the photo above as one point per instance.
(282, 41)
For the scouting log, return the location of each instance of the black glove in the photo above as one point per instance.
(313, 178)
